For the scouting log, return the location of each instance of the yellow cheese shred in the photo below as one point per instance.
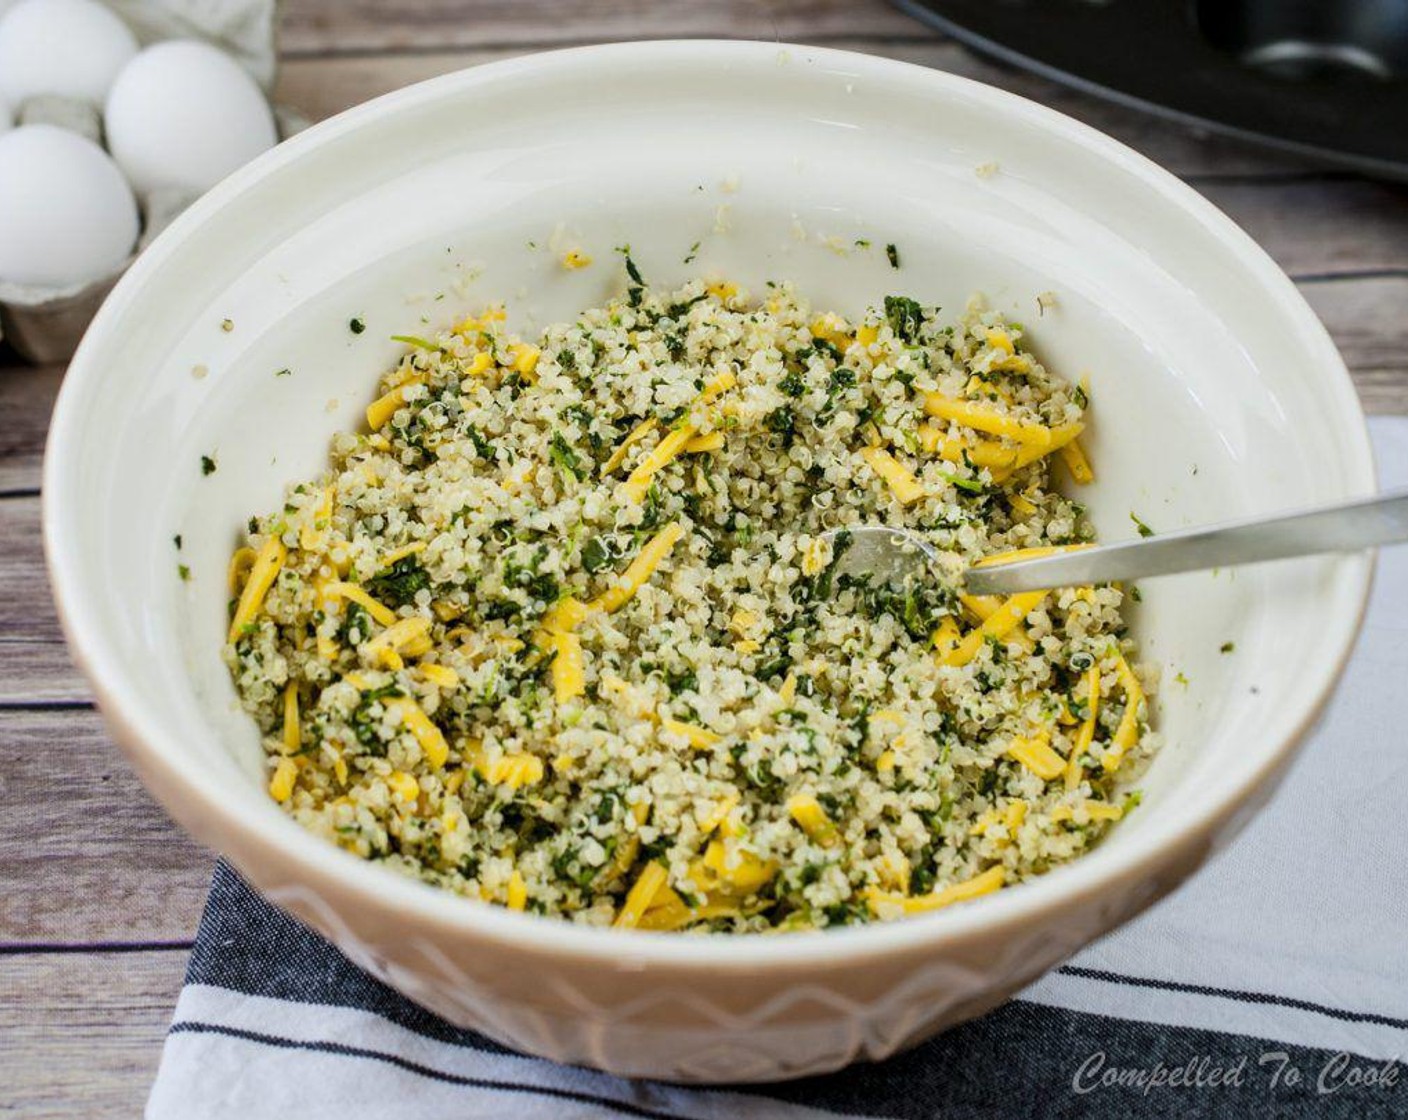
(660, 456)
(1086, 735)
(523, 357)
(262, 574)
(313, 534)
(896, 475)
(639, 570)
(431, 739)
(517, 890)
(699, 737)
(1058, 439)
(981, 453)
(293, 736)
(627, 851)
(998, 558)
(513, 770)
(388, 646)
(638, 433)
(281, 784)
(241, 561)
(404, 786)
(722, 383)
(667, 912)
(812, 819)
(338, 589)
(385, 407)
(1127, 733)
(441, 676)
(640, 896)
(985, 883)
(1073, 455)
(980, 607)
(997, 626)
(981, 419)
(733, 875)
(1036, 754)
(400, 553)
(701, 444)
(568, 674)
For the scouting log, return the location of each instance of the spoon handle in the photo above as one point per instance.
(1345, 527)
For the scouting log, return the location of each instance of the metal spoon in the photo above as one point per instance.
(888, 553)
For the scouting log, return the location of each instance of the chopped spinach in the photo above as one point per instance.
(595, 555)
(905, 316)
(399, 584)
(563, 457)
(356, 625)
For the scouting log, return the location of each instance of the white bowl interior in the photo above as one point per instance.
(1215, 394)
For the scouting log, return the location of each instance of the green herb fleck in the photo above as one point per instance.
(398, 584)
(285, 372)
(906, 317)
(227, 325)
(893, 254)
(693, 252)
(563, 457)
(636, 288)
(1227, 647)
(183, 571)
(482, 447)
(207, 465)
(595, 555)
(972, 485)
(357, 325)
(356, 625)
(1144, 530)
(418, 342)
(176, 540)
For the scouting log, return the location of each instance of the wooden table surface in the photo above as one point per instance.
(99, 892)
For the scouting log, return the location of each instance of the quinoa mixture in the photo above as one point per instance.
(559, 631)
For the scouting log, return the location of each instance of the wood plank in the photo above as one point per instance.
(36, 671)
(84, 1033)
(322, 86)
(26, 399)
(26, 604)
(317, 26)
(86, 855)
(1366, 319)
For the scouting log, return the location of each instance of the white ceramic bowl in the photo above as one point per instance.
(1216, 393)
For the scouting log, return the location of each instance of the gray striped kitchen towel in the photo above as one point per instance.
(1273, 984)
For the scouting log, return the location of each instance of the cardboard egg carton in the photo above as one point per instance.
(45, 324)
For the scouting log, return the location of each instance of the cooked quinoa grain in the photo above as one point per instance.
(560, 631)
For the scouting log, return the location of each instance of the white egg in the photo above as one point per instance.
(70, 48)
(184, 115)
(67, 216)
